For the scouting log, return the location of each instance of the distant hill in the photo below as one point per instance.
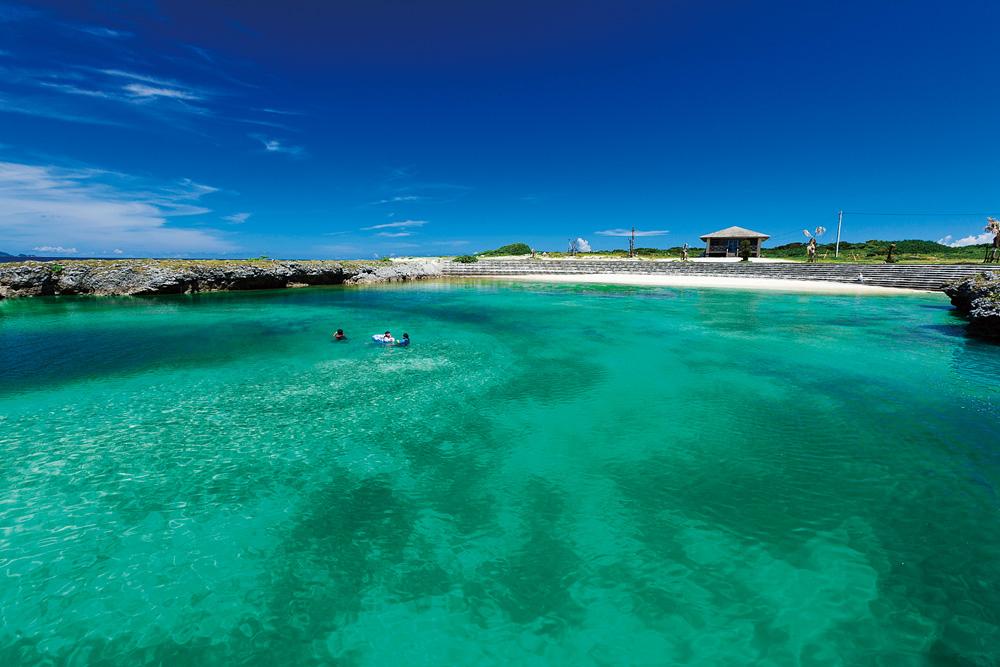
(7, 257)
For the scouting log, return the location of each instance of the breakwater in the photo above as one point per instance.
(912, 276)
(148, 277)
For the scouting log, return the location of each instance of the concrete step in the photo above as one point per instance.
(924, 276)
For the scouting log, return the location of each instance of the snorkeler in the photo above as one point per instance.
(339, 335)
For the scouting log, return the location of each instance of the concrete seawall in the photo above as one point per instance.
(909, 276)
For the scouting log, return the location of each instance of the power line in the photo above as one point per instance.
(914, 215)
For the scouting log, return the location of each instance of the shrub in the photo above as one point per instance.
(56, 269)
(509, 249)
(745, 250)
(466, 259)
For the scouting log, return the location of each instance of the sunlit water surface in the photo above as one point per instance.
(548, 475)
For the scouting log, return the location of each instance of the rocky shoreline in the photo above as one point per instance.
(148, 276)
(978, 298)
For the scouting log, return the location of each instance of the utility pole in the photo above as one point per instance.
(840, 222)
(631, 243)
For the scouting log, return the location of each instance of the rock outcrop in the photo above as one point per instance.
(978, 298)
(147, 277)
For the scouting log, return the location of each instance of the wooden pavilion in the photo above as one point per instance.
(726, 242)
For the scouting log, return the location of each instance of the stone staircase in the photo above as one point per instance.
(913, 276)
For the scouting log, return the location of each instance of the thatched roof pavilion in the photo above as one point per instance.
(726, 242)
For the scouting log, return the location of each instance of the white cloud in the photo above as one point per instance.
(397, 224)
(394, 235)
(628, 232)
(236, 218)
(396, 199)
(45, 205)
(275, 146)
(55, 248)
(142, 90)
(118, 251)
(985, 237)
(582, 245)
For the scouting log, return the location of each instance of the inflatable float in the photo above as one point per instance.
(378, 339)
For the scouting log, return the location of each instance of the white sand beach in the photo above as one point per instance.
(758, 284)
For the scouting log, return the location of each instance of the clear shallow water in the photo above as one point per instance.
(549, 475)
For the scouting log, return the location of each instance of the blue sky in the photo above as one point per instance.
(336, 129)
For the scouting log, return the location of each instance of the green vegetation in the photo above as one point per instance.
(466, 259)
(875, 252)
(509, 249)
(56, 269)
(869, 252)
(745, 250)
(641, 253)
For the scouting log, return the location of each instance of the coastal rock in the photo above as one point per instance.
(148, 277)
(978, 298)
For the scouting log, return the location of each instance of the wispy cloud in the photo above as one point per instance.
(136, 76)
(394, 235)
(90, 209)
(236, 218)
(153, 96)
(30, 106)
(628, 232)
(74, 90)
(985, 237)
(100, 31)
(56, 249)
(142, 90)
(281, 112)
(276, 146)
(397, 224)
(398, 199)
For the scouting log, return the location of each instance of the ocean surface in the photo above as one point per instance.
(548, 475)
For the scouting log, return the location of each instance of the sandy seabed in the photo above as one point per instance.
(758, 284)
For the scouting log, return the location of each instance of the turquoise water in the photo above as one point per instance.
(548, 475)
